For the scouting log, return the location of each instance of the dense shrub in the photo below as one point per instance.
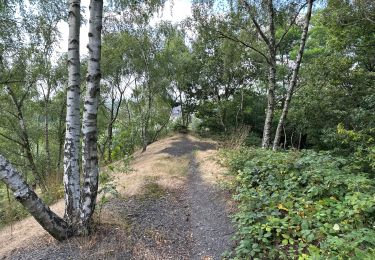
(301, 205)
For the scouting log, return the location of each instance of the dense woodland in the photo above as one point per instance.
(288, 86)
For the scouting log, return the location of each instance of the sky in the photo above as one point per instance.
(174, 11)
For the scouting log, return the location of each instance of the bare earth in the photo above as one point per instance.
(168, 206)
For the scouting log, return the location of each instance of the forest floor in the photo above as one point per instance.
(168, 205)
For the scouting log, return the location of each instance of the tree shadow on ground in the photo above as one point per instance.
(185, 146)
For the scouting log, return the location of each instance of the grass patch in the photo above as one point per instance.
(172, 166)
(152, 190)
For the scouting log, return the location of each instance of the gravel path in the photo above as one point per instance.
(189, 222)
(211, 227)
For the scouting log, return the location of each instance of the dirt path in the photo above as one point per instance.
(169, 207)
(211, 227)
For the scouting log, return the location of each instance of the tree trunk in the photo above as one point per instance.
(110, 128)
(182, 110)
(220, 110)
(72, 133)
(61, 134)
(144, 138)
(293, 81)
(145, 133)
(160, 130)
(25, 138)
(240, 111)
(270, 102)
(89, 129)
(271, 44)
(114, 114)
(52, 223)
(46, 129)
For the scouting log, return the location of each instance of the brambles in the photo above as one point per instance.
(301, 205)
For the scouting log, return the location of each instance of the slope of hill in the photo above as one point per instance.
(167, 206)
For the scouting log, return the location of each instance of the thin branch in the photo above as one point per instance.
(235, 39)
(11, 82)
(292, 22)
(26, 93)
(255, 22)
(14, 153)
(11, 139)
(10, 113)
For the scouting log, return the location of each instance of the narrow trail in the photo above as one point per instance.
(170, 207)
(211, 227)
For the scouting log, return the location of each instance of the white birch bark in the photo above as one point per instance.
(293, 81)
(271, 43)
(72, 134)
(89, 127)
(270, 103)
(52, 223)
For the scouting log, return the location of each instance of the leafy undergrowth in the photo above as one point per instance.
(301, 205)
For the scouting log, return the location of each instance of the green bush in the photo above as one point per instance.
(360, 145)
(301, 205)
(178, 127)
(124, 144)
(10, 209)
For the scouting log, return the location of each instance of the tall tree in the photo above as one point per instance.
(73, 129)
(79, 210)
(89, 126)
(261, 27)
(293, 81)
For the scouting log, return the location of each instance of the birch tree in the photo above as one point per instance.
(79, 205)
(91, 103)
(72, 133)
(52, 223)
(293, 81)
(261, 27)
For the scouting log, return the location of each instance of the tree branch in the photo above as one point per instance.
(11, 139)
(292, 22)
(235, 39)
(255, 22)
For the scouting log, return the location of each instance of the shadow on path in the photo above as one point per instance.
(184, 146)
(210, 226)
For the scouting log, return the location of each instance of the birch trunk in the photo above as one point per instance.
(52, 223)
(271, 77)
(89, 129)
(72, 133)
(270, 105)
(293, 81)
